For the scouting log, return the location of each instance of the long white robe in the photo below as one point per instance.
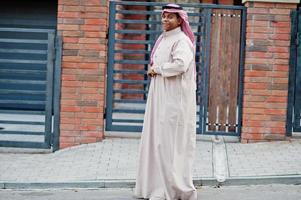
(168, 138)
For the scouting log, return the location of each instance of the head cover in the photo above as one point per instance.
(174, 8)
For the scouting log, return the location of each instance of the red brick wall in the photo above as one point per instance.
(83, 25)
(266, 71)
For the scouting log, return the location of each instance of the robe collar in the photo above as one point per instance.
(172, 32)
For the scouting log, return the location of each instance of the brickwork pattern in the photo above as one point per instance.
(266, 71)
(83, 25)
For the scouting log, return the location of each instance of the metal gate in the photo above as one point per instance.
(294, 94)
(29, 87)
(220, 35)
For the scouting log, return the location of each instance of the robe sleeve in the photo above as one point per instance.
(182, 55)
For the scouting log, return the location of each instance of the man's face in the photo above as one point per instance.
(170, 21)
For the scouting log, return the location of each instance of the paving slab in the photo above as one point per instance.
(113, 163)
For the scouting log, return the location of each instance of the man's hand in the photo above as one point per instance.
(151, 72)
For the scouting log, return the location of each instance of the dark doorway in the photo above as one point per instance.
(29, 13)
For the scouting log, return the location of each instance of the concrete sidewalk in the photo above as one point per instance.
(113, 163)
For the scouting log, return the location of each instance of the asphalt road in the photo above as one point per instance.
(253, 192)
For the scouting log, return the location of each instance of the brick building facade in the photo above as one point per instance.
(84, 25)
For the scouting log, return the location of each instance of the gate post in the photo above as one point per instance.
(266, 69)
(83, 26)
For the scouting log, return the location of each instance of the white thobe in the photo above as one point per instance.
(168, 138)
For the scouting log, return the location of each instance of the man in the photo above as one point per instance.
(168, 138)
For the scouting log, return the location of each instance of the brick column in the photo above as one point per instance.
(266, 69)
(83, 25)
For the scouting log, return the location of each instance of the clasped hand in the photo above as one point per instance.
(151, 72)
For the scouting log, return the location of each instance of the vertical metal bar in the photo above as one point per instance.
(152, 38)
(206, 68)
(146, 56)
(49, 89)
(111, 41)
(57, 93)
(297, 81)
(199, 59)
(201, 81)
(292, 73)
(241, 69)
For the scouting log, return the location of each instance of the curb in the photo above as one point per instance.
(264, 180)
(130, 183)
